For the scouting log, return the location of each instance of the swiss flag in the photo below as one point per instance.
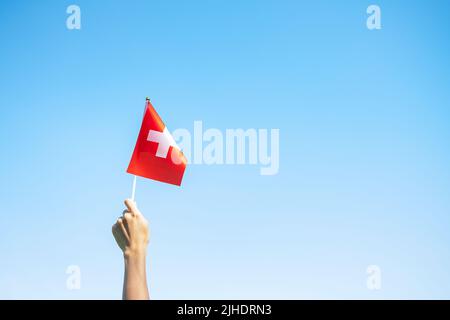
(156, 155)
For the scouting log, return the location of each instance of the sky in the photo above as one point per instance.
(364, 175)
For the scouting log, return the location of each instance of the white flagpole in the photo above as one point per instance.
(133, 190)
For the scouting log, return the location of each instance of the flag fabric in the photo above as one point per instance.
(156, 155)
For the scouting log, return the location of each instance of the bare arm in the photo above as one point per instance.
(132, 235)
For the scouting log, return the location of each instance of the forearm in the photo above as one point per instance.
(135, 279)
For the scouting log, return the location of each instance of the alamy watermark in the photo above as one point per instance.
(73, 281)
(373, 281)
(74, 20)
(229, 147)
(374, 20)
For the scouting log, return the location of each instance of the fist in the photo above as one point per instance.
(131, 231)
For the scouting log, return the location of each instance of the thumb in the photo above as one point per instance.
(131, 206)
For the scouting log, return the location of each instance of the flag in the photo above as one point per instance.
(156, 155)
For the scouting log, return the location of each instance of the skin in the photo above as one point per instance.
(132, 234)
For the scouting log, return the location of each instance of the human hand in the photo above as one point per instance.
(131, 231)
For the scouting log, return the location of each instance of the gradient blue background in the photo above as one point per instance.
(364, 137)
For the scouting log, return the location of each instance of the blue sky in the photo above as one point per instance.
(364, 155)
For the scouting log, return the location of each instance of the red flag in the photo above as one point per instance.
(156, 155)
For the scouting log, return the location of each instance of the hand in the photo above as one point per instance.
(131, 231)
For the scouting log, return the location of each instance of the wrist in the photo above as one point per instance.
(134, 253)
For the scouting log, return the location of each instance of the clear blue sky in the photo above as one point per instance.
(364, 135)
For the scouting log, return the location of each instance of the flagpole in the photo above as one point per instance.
(133, 190)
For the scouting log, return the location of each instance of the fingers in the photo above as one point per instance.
(121, 226)
(127, 216)
(117, 231)
(131, 206)
(120, 237)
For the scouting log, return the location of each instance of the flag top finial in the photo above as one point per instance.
(147, 99)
